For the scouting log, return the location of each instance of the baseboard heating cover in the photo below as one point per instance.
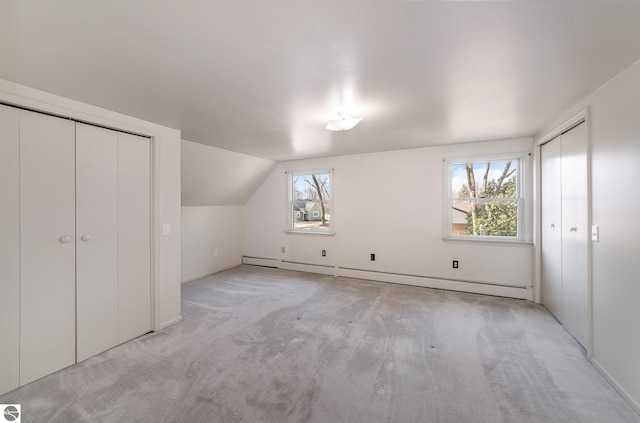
(524, 293)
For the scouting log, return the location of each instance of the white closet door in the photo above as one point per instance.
(551, 226)
(9, 248)
(134, 236)
(575, 233)
(97, 239)
(47, 245)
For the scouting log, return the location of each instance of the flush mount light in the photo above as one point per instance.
(343, 122)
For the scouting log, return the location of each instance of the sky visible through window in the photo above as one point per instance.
(304, 188)
(459, 174)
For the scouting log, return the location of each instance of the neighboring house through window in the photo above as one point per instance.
(310, 201)
(486, 198)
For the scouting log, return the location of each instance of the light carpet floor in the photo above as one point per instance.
(265, 345)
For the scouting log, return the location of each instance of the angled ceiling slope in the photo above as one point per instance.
(215, 177)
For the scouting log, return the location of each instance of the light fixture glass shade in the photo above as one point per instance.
(342, 123)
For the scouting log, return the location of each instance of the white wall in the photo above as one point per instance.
(166, 179)
(216, 184)
(212, 239)
(390, 204)
(615, 158)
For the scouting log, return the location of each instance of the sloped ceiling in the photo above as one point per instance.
(215, 177)
(262, 77)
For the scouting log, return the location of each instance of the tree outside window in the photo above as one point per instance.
(310, 201)
(485, 199)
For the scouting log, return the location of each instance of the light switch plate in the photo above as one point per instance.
(595, 233)
(166, 229)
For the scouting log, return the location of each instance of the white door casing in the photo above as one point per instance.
(9, 248)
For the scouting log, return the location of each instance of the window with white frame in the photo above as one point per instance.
(310, 201)
(485, 198)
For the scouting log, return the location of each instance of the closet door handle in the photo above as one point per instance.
(86, 237)
(65, 239)
(553, 225)
(573, 229)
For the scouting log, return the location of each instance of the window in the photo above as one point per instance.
(310, 201)
(485, 199)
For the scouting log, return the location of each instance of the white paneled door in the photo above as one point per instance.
(551, 226)
(113, 192)
(575, 234)
(75, 242)
(565, 231)
(134, 236)
(97, 243)
(47, 245)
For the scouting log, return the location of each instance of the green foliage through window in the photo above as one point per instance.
(485, 198)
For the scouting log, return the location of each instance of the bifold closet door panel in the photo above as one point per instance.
(575, 234)
(9, 248)
(551, 225)
(97, 239)
(134, 236)
(47, 245)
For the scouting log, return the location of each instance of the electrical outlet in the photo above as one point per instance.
(324, 253)
(373, 257)
(455, 264)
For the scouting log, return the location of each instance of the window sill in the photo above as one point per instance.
(489, 241)
(310, 233)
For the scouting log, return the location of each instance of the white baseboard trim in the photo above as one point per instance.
(614, 383)
(193, 278)
(524, 293)
(170, 323)
(204, 275)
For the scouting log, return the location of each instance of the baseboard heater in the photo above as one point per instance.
(520, 292)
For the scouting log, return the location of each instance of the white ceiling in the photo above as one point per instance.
(262, 77)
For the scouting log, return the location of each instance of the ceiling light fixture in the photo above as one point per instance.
(343, 122)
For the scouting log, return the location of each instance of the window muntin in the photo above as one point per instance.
(485, 199)
(310, 202)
